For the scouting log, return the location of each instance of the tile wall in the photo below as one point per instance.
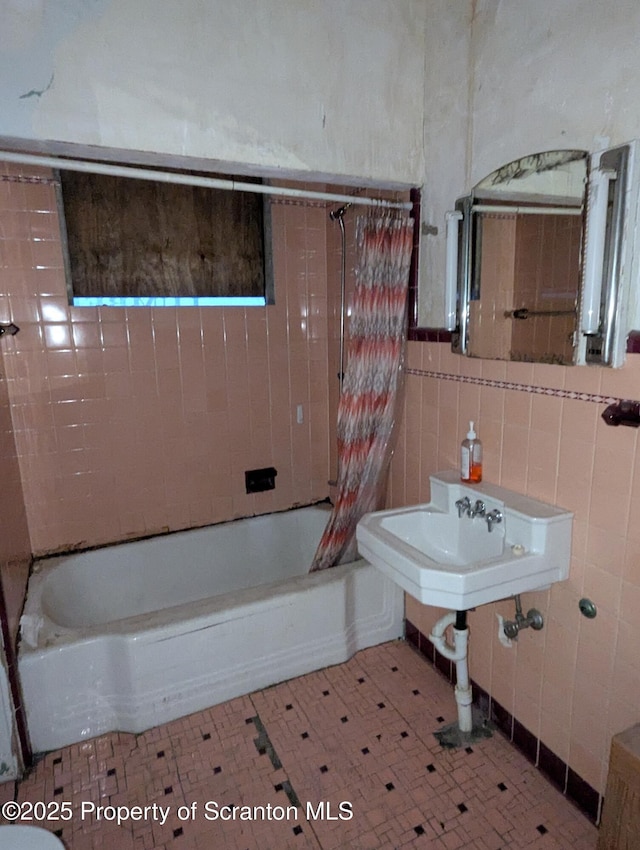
(15, 559)
(488, 337)
(515, 273)
(15, 550)
(577, 682)
(129, 422)
(546, 279)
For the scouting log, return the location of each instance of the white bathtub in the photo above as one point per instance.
(130, 636)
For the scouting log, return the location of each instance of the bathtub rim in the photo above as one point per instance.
(139, 681)
(52, 635)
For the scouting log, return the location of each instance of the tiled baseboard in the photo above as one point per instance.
(554, 768)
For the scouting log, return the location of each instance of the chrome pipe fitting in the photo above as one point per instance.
(534, 620)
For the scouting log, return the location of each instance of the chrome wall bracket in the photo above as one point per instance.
(8, 328)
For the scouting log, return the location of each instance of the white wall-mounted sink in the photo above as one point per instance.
(456, 562)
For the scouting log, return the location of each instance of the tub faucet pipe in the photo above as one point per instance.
(458, 653)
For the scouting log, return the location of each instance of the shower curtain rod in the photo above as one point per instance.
(191, 179)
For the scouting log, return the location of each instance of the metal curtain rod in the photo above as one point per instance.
(515, 210)
(525, 313)
(190, 179)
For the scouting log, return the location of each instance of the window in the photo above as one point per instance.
(132, 242)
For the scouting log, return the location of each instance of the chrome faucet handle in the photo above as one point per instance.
(478, 509)
(463, 506)
(493, 518)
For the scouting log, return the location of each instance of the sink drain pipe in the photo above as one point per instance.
(457, 653)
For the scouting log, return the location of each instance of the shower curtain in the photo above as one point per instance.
(367, 406)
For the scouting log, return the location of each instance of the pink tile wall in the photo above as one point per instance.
(576, 683)
(133, 421)
(15, 550)
(496, 289)
(547, 278)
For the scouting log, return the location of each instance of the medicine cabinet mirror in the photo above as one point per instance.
(523, 281)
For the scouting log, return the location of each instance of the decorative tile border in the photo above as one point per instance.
(595, 398)
(633, 343)
(23, 178)
(416, 334)
(279, 201)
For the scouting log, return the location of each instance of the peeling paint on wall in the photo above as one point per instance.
(37, 92)
(334, 87)
(28, 35)
(531, 78)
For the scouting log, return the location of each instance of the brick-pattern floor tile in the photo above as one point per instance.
(353, 742)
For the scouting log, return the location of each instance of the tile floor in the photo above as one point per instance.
(358, 734)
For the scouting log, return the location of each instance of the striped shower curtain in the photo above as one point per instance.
(367, 406)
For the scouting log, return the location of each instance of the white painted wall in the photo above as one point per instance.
(448, 75)
(332, 87)
(416, 91)
(541, 75)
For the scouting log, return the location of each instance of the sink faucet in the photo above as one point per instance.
(493, 517)
(464, 506)
(478, 509)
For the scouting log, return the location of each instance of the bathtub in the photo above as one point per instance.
(133, 635)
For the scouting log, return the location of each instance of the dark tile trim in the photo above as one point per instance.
(416, 334)
(633, 343)
(553, 767)
(422, 644)
(525, 741)
(411, 634)
(586, 798)
(502, 718)
(427, 648)
(481, 699)
(444, 665)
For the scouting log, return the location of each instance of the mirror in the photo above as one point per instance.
(519, 250)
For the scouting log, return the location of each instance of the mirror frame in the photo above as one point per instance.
(467, 232)
(607, 271)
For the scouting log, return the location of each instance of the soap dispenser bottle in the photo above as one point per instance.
(471, 458)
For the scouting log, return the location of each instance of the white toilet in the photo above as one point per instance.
(28, 838)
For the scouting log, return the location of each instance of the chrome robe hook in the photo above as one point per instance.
(8, 328)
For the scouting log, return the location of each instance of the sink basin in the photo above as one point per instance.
(441, 536)
(456, 562)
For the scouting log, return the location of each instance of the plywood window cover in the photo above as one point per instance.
(131, 242)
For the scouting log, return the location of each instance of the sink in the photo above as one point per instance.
(454, 561)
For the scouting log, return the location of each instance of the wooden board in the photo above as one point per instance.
(620, 826)
(139, 238)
